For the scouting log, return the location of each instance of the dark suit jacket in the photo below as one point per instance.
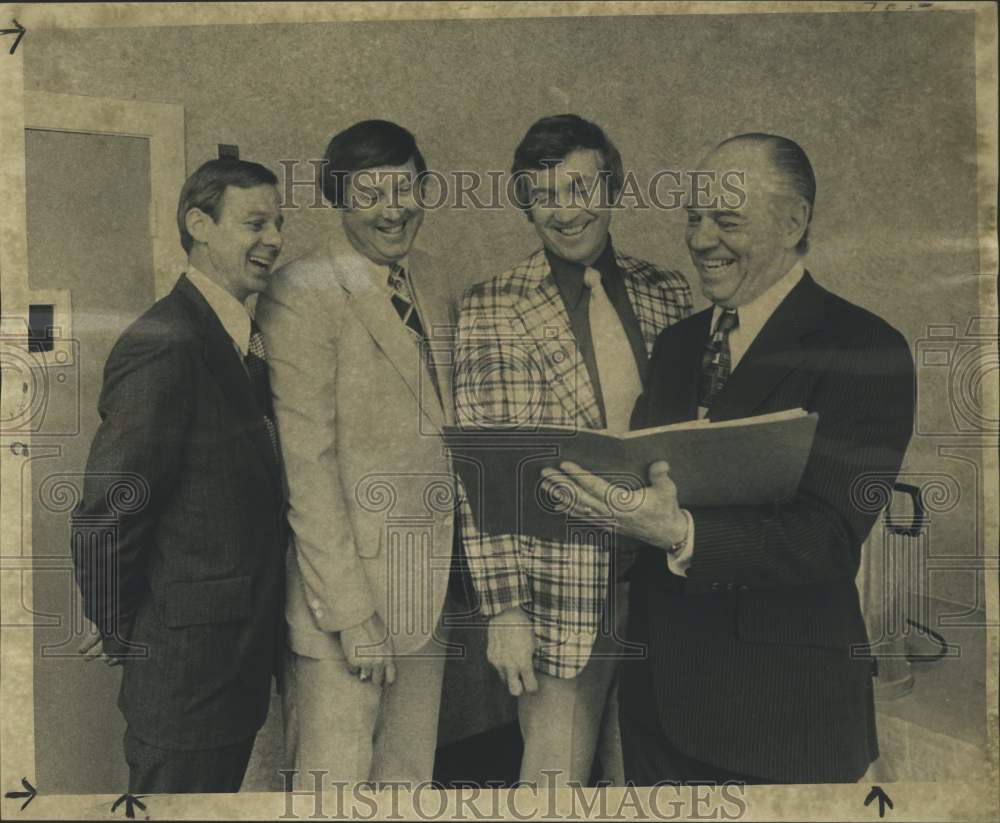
(179, 538)
(750, 656)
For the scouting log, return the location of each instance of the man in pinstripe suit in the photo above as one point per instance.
(758, 669)
(188, 596)
(560, 339)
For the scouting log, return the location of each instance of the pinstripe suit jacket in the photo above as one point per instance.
(757, 659)
(183, 513)
(517, 365)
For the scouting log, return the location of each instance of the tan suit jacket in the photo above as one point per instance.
(371, 491)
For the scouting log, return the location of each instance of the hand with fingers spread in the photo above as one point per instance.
(658, 518)
(510, 647)
(369, 652)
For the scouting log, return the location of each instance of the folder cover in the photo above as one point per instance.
(749, 461)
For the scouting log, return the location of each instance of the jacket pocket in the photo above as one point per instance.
(195, 602)
(792, 621)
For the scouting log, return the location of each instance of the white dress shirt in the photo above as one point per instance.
(753, 316)
(231, 312)
(756, 313)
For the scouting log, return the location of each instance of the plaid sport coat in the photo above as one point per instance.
(516, 364)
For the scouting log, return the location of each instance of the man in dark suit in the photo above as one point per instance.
(756, 668)
(179, 538)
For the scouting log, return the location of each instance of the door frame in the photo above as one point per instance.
(162, 124)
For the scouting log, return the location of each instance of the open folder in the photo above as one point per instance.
(748, 461)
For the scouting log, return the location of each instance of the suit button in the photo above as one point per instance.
(744, 587)
(716, 587)
(730, 586)
(319, 614)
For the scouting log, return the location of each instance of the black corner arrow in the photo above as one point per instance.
(883, 799)
(131, 802)
(19, 30)
(29, 792)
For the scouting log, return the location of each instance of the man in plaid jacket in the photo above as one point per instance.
(560, 339)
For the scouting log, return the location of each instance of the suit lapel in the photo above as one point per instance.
(777, 350)
(224, 363)
(547, 323)
(430, 293)
(643, 295)
(371, 305)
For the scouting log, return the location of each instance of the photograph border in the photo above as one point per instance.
(912, 801)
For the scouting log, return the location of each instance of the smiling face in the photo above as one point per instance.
(566, 224)
(381, 214)
(740, 253)
(238, 249)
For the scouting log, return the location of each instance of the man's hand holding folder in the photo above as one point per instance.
(658, 519)
(544, 481)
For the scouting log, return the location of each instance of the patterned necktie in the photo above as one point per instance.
(256, 363)
(402, 299)
(716, 362)
(616, 367)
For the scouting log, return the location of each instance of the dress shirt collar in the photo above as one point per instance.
(569, 275)
(364, 271)
(758, 311)
(231, 312)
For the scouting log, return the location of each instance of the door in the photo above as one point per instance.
(101, 179)
(88, 235)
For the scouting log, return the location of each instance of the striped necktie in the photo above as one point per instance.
(256, 363)
(401, 295)
(402, 300)
(716, 361)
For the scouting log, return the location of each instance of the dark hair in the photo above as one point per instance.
(792, 165)
(366, 145)
(206, 187)
(554, 138)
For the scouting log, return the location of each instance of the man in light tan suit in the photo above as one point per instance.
(360, 395)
